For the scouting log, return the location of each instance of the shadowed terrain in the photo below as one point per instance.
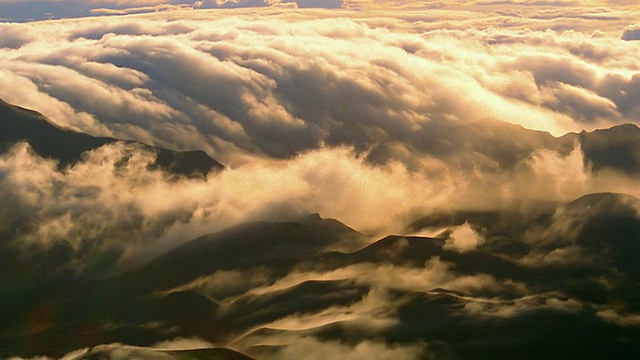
(65, 146)
(552, 280)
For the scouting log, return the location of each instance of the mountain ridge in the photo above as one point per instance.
(66, 146)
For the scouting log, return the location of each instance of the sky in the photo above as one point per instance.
(29, 10)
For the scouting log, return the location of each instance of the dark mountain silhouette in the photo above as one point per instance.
(616, 148)
(49, 141)
(110, 352)
(495, 145)
(561, 279)
(487, 143)
(135, 308)
(280, 245)
(609, 225)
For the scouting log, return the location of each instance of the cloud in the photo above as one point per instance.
(518, 307)
(631, 33)
(464, 238)
(434, 274)
(311, 113)
(14, 36)
(112, 201)
(21, 10)
(613, 316)
(312, 348)
(570, 174)
(371, 120)
(223, 284)
(373, 314)
(169, 349)
(182, 344)
(244, 86)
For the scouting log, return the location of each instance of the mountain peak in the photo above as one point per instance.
(608, 200)
(18, 124)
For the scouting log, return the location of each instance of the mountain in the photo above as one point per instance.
(608, 224)
(279, 245)
(141, 308)
(49, 141)
(558, 280)
(487, 143)
(616, 148)
(130, 352)
(257, 285)
(484, 143)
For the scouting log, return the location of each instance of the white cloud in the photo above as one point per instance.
(312, 113)
(311, 348)
(182, 344)
(106, 203)
(613, 316)
(434, 274)
(369, 118)
(517, 307)
(464, 238)
(569, 174)
(243, 84)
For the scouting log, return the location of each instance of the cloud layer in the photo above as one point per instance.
(279, 85)
(399, 115)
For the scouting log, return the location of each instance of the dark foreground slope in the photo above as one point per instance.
(528, 291)
(53, 318)
(560, 282)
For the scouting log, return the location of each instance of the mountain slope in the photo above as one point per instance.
(616, 148)
(47, 140)
(291, 284)
(278, 244)
(136, 308)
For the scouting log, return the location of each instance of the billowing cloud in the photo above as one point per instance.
(13, 36)
(295, 347)
(631, 33)
(241, 85)
(464, 238)
(434, 274)
(112, 201)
